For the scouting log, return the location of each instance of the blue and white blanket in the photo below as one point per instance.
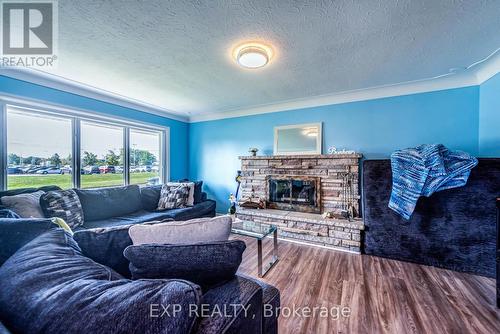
(424, 170)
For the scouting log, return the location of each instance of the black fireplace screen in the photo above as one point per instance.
(293, 192)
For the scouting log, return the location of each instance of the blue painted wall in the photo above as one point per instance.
(178, 130)
(374, 128)
(489, 118)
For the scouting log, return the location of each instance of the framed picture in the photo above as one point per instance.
(298, 139)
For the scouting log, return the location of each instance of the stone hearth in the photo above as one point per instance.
(338, 233)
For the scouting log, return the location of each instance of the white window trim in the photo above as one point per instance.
(76, 116)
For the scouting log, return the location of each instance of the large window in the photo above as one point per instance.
(145, 157)
(44, 147)
(101, 155)
(39, 150)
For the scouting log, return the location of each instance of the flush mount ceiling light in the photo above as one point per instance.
(253, 55)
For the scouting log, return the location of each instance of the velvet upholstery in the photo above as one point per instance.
(3, 329)
(15, 233)
(206, 264)
(453, 229)
(105, 203)
(232, 295)
(203, 209)
(271, 302)
(150, 195)
(20, 191)
(48, 286)
(106, 246)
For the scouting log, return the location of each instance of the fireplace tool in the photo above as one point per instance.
(348, 194)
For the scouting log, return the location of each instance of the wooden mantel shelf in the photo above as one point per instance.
(304, 156)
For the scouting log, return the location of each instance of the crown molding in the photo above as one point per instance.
(487, 68)
(463, 79)
(70, 86)
(474, 75)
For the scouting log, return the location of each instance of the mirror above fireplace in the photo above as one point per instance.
(298, 139)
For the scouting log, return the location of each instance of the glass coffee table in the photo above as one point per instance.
(258, 231)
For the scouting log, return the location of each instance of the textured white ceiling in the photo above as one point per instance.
(176, 54)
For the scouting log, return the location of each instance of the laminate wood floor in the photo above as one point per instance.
(383, 296)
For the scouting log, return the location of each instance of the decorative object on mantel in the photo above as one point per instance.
(300, 139)
(253, 151)
(333, 150)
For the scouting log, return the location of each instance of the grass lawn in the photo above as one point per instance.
(64, 181)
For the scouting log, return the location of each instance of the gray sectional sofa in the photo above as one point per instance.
(56, 282)
(115, 206)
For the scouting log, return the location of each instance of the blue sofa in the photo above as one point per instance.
(115, 206)
(51, 285)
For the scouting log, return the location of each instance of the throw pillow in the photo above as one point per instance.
(106, 246)
(15, 233)
(205, 264)
(25, 205)
(48, 286)
(178, 232)
(7, 213)
(191, 185)
(63, 204)
(198, 192)
(172, 197)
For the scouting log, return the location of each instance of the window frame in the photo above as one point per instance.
(76, 116)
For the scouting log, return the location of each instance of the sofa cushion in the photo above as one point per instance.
(203, 209)
(15, 233)
(63, 204)
(104, 203)
(150, 195)
(182, 232)
(205, 264)
(106, 246)
(48, 286)
(133, 218)
(19, 191)
(25, 205)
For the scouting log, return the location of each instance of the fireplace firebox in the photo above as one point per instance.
(294, 193)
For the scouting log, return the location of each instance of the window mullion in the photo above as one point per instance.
(126, 155)
(76, 165)
(3, 146)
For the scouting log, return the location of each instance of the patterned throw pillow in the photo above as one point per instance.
(63, 204)
(173, 196)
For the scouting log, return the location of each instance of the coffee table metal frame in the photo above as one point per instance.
(259, 231)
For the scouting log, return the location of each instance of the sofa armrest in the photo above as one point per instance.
(204, 196)
(270, 304)
(232, 307)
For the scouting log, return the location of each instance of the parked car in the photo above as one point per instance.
(91, 170)
(107, 169)
(66, 169)
(155, 169)
(34, 169)
(50, 170)
(119, 169)
(14, 170)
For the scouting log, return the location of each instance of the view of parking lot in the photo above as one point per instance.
(40, 152)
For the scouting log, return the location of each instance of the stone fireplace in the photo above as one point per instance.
(298, 190)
